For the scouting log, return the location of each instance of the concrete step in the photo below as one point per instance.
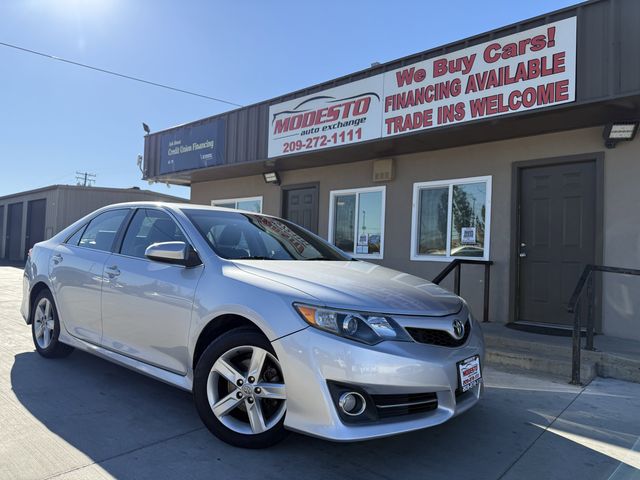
(542, 356)
(615, 366)
(524, 359)
(538, 346)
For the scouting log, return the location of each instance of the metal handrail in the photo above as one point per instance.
(456, 265)
(574, 306)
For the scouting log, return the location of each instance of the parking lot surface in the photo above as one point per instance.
(83, 418)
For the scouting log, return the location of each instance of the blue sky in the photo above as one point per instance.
(57, 118)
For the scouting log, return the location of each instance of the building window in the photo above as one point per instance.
(250, 204)
(451, 219)
(356, 221)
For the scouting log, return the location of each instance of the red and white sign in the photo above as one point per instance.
(338, 116)
(524, 71)
(469, 372)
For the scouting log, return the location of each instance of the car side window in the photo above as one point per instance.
(101, 231)
(149, 226)
(75, 238)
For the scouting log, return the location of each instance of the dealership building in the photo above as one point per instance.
(516, 146)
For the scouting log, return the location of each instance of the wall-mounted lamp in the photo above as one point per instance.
(619, 132)
(272, 177)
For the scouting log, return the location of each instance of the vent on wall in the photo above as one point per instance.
(383, 170)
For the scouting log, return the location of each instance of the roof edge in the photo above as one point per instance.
(82, 187)
(383, 67)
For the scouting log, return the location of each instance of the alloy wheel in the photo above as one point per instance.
(44, 323)
(246, 391)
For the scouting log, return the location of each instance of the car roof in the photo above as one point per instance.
(177, 206)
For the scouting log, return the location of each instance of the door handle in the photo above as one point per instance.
(57, 258)
(522, 253)
(113, 271)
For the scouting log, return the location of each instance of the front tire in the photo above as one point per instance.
(239, 390)
(45, 327)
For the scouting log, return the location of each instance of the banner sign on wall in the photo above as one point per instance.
(338, 116)
(190, 147)
(524, 71)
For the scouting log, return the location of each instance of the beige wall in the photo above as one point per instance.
(621, 309)
(51, 196)
(66, 204)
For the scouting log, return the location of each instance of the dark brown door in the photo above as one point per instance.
(300, 205)
(13, 237)
(557, 238)
(36, 212)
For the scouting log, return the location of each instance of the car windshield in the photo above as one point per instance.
(246, 236)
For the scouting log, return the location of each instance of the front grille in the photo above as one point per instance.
(405, 404)
(440, 338)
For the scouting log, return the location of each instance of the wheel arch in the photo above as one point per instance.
(218, 326)
(37, 288)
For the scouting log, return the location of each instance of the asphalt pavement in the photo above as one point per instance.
(84, 418)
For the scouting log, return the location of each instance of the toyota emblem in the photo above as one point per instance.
(458, 329)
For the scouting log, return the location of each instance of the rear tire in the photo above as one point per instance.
(45, 327)
(239, 390)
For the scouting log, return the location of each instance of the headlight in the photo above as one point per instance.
(363, 327)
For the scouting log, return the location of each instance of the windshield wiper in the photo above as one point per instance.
(252, 258)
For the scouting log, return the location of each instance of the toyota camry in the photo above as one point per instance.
(268, 325)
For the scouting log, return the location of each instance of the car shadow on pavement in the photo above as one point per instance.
(132, 426)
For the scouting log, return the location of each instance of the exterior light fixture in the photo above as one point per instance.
(272, 177)
(619, 132)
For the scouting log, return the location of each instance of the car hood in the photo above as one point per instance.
(357, 285)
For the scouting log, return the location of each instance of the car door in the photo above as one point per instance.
(146, 305)
(76, 273)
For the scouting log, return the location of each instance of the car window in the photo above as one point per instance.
(237, 235)
(75, 238)
(149, 226)
(101, 231)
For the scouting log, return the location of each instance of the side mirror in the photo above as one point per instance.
(179, 253)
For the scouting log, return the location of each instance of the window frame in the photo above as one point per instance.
(123, 224)
(77, 230)
(357, 191)
(216, 203)
(415, 211)
(117, 250)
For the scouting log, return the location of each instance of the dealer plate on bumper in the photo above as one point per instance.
(469, 373)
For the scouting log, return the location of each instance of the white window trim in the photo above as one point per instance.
(215, 203)
(415, 211)
(357, 191)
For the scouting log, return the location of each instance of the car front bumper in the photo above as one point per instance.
(310, 358)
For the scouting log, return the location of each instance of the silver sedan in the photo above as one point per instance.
(271, 327)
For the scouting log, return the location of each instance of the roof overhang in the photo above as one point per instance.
(553, 119)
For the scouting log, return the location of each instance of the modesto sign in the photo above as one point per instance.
(524, 71)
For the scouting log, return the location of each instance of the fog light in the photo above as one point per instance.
(352, 403)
